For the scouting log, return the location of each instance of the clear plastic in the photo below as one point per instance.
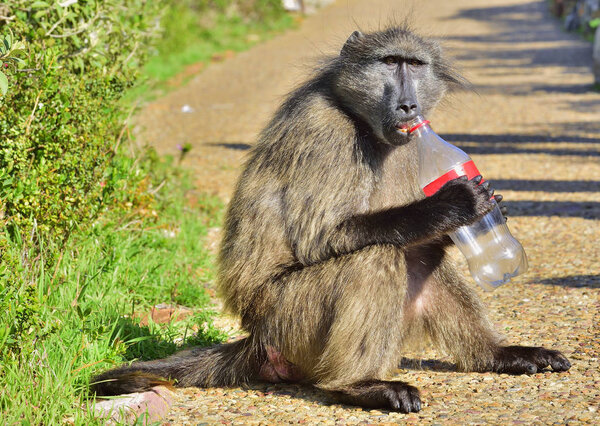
(493, 254)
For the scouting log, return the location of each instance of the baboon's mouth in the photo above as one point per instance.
(402, 127)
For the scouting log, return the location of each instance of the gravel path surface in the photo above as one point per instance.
(533, 128)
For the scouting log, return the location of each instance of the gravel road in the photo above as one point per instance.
(533, 128)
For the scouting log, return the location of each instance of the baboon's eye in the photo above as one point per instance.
(414, 62)
(390, 60)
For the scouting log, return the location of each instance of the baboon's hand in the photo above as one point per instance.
(498, 199)
(528, 360)
(463, 201)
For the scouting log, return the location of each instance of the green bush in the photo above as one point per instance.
(197, 29)
(88, 234)
(64, 324)
(61, 117)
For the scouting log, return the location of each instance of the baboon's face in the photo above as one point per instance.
(388, 78)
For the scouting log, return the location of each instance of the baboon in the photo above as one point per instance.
(332, 256)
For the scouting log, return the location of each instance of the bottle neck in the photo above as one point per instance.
(418, 125)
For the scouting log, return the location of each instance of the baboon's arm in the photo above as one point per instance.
(400, 226)
(459, 203)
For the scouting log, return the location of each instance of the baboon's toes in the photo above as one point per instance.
(397, 396)
(403, 397)
(554, 359)
(529, 360)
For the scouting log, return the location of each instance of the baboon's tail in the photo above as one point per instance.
(229, 364)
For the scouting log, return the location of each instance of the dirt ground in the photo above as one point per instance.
(533, 128)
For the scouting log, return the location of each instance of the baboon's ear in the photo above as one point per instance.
(354, 37)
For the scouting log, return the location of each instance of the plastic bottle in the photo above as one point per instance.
(493, 254)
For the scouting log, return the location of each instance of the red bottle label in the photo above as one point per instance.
(469, 169)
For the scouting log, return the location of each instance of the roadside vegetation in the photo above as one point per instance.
(576, 16)
(93, 229)
(226, 27)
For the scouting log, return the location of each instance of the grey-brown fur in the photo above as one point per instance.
(330, 252)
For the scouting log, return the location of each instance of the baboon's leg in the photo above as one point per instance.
(341, 323)
(456, 321)
(451, 314)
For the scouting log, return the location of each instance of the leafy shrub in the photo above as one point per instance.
(9, 55)
(64, 324)
(60, 121)
(86, 232)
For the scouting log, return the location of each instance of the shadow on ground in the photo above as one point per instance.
(512, 144)
(237, 146)
(512, 148)
(527, 89)
(516, 19)
(495, 138)
(514, 23)
(313, 394)
(582, 209)
(575, 281)
(428, 364)
(547, 185)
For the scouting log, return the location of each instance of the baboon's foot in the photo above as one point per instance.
(277, 369)
(528, 360)
(397, 396)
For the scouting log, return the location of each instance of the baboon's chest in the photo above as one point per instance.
(395, 183)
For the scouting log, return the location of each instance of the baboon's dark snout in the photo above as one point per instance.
(407, 108)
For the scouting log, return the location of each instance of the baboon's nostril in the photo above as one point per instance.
(407, 106)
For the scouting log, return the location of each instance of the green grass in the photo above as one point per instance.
(192, 38)
(63, 324)
(586, 34)
(67, 304)
(191, 44)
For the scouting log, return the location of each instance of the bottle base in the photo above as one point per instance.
(491, 285)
